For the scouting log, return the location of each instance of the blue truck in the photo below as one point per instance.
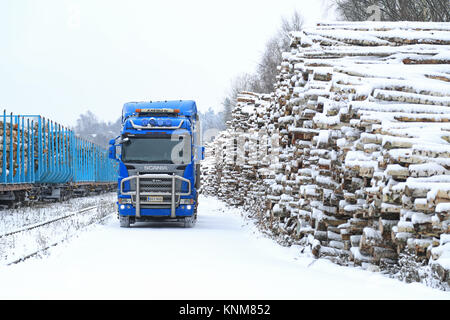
(159, 152)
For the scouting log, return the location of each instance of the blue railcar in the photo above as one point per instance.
(40, 159)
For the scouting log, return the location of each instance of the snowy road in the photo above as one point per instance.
(223, 257)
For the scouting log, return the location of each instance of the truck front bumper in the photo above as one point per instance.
(181, 211)
(135, 207)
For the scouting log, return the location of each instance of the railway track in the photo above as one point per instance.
(47, 223)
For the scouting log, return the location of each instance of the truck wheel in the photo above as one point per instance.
(124, 221)
(189, 222)
(196, 206)
(197, 177)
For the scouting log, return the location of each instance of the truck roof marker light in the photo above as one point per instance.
(153, 122)
(157, 110)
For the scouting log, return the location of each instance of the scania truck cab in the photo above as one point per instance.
(159, 152)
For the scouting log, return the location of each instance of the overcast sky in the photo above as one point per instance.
(60, 58)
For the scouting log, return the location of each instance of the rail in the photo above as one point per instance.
(41, 224)
(37, 225)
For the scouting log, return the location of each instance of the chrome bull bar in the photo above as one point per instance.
(138, 194)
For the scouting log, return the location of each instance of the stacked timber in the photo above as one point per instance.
(15, 142)
(360, 115)
(236, 162)
(23, 142)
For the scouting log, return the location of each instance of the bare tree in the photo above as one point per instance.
(227, 110)
(270, 60)
(263, 80)
(243, 82)
(294, 23)
(211, 120)
(395, 10)
(272, 56)
(91, 128)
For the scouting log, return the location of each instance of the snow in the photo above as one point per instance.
(433, 147)
(444, 55)
(443, 207)
(437, 187)
(25, 242)
(427, 169)
(248, 110)
(223, 257)
(371, 233)
(13, 219)
(405, 108)
(396, 169)
(420, 218)
(358, 255)
(443, 254)
(405, 226)
(323, 138)
(445, 238)
(347, 35)
(359, 159)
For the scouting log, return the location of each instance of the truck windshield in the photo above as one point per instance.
(159, 149)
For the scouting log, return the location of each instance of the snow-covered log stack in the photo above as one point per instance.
(361, 113)
(235, 167)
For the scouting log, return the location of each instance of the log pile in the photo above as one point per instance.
(359, 121)
(55, 142)
(20, 142)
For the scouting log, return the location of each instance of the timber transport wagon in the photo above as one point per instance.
(41, 160)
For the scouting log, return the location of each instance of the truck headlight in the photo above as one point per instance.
(187, 201)
(124, 200)
(189, 207)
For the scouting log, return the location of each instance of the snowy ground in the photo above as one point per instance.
(223, 257)
(12, 219)
(24, 243)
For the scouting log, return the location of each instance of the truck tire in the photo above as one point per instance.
(197, 177)
(124, 221)
(189, 222)
(196, 206)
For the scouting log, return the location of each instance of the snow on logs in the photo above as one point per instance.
(351, 152)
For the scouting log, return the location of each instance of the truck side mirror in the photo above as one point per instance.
(112, 149)
(112, 152)
(202, 153)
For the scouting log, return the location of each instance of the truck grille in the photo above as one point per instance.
(155, 184)
(154, 189)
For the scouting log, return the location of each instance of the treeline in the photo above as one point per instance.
(394, 10)
(90, 127)
(264, 77)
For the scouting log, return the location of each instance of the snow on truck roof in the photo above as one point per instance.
(186, 107)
